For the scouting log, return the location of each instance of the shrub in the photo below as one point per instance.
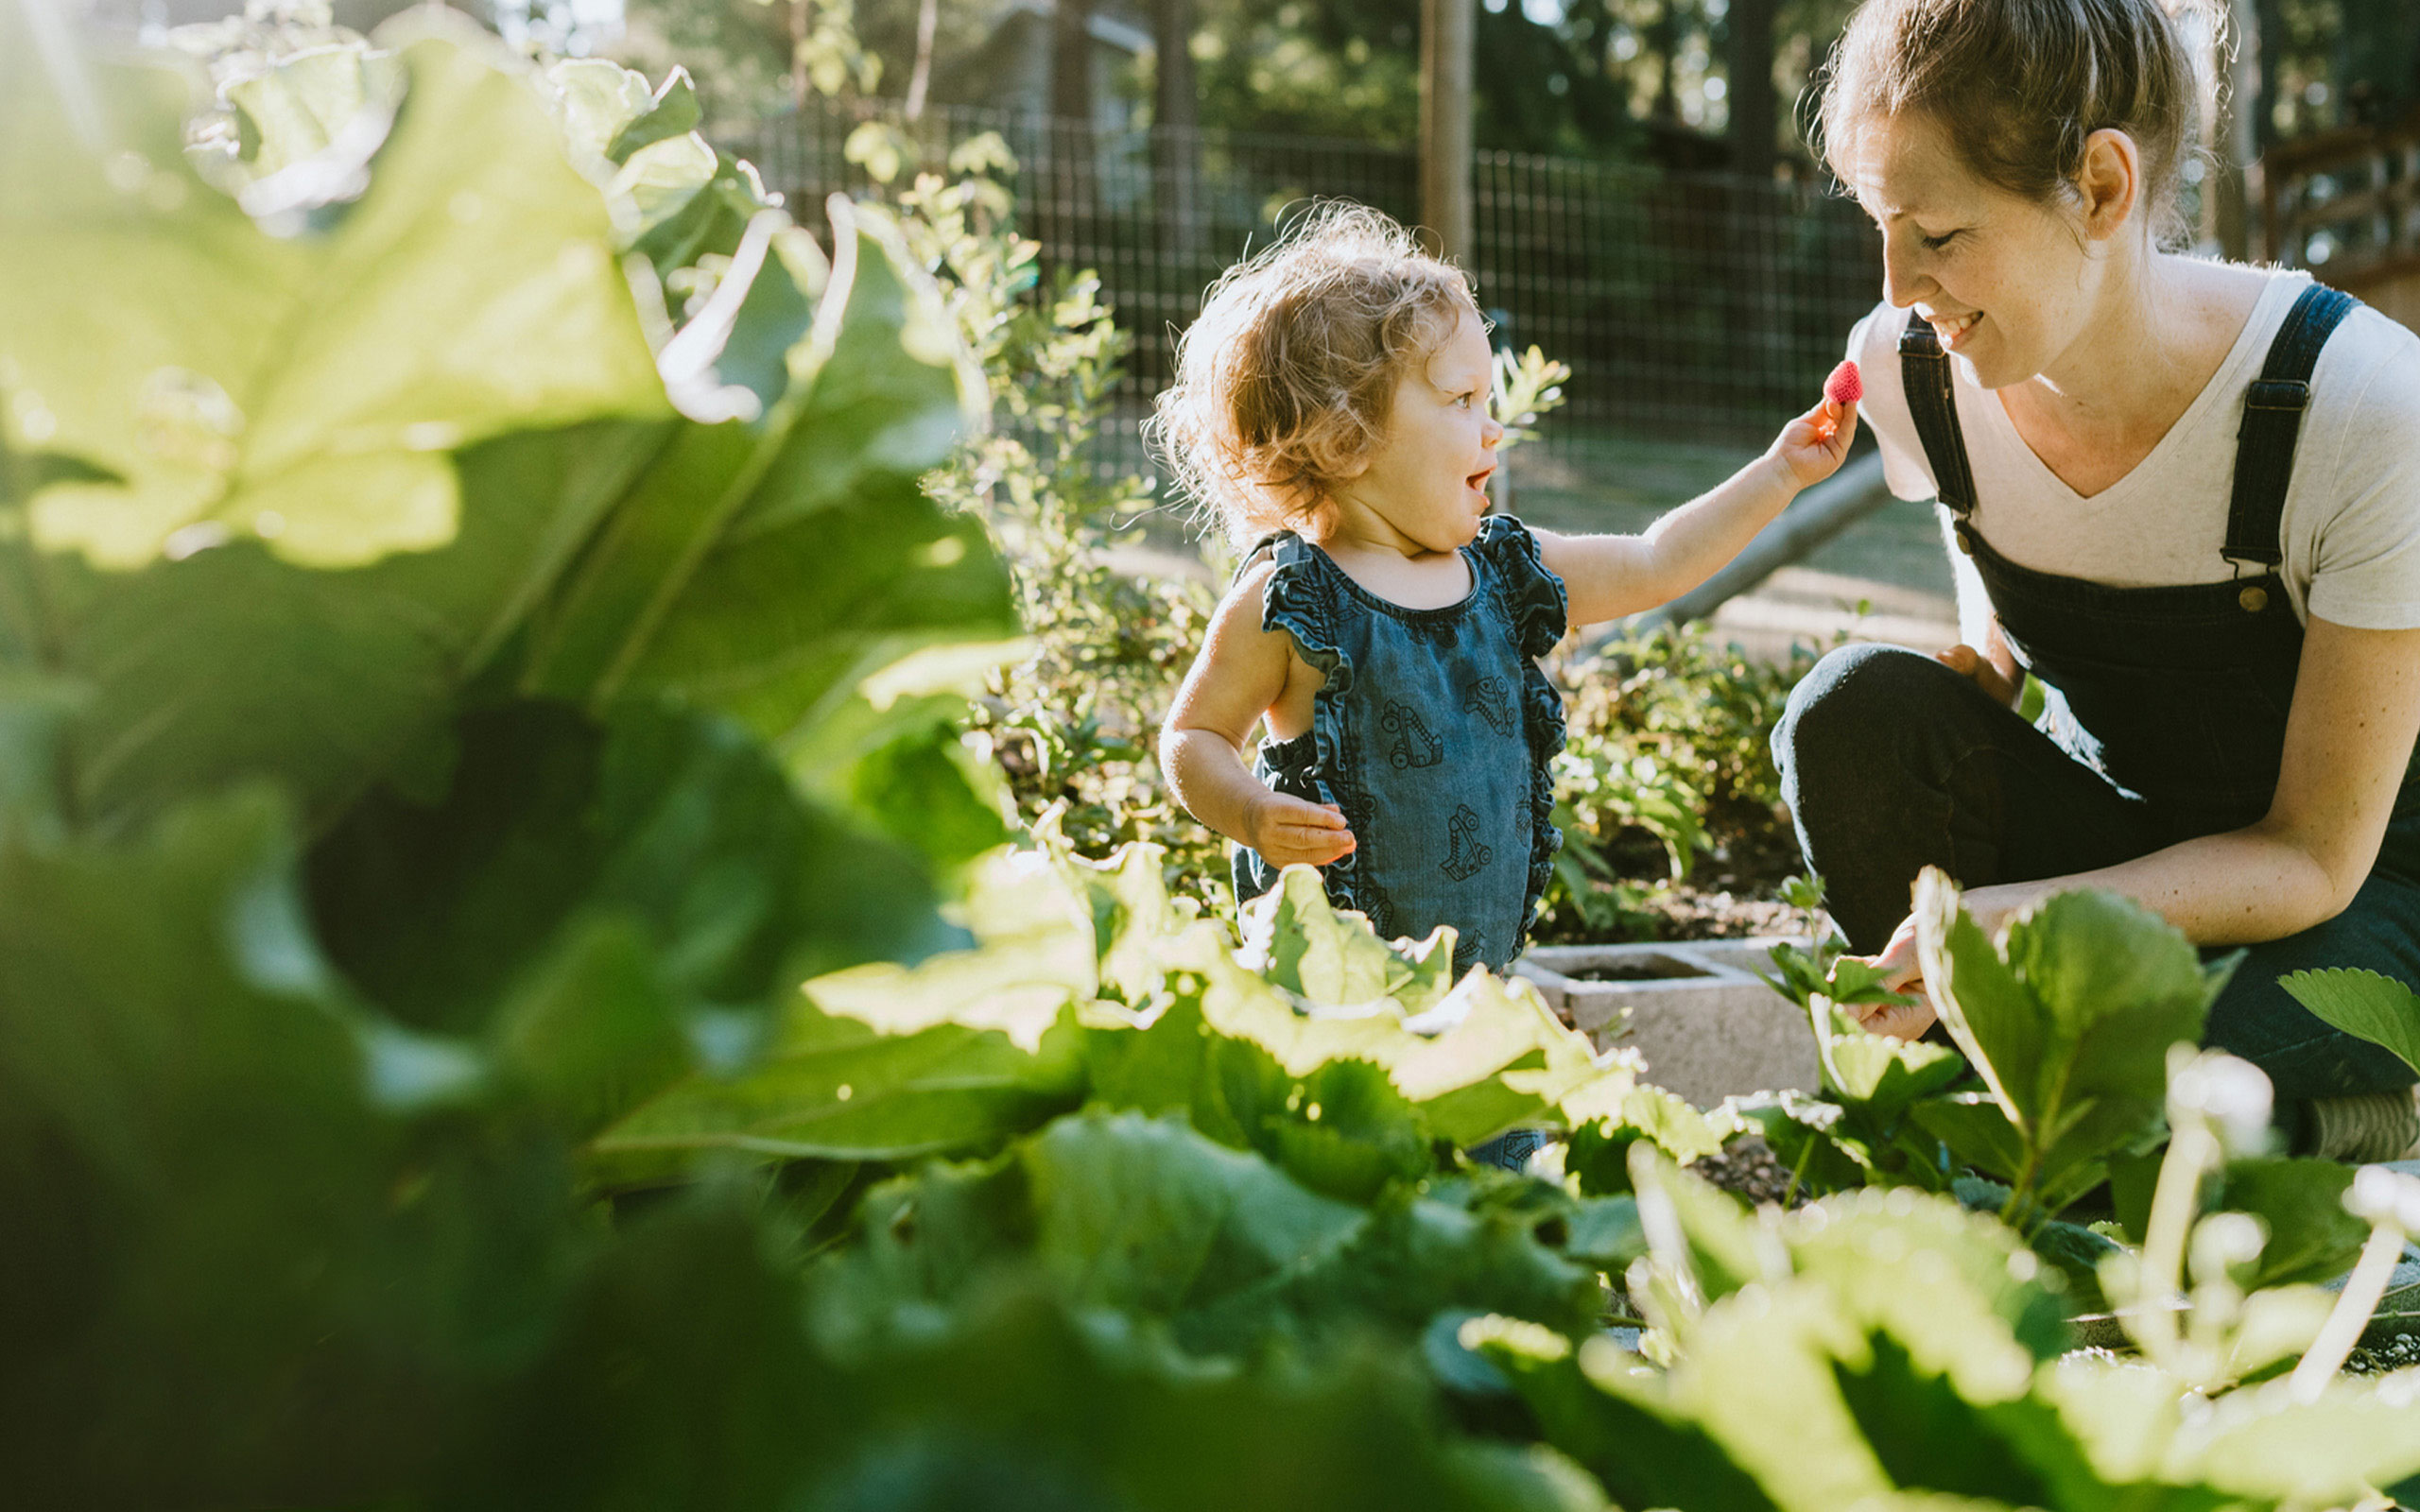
(1665, 762)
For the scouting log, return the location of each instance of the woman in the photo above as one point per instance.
(2228, 631)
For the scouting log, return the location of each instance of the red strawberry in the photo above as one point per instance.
(1845, 386)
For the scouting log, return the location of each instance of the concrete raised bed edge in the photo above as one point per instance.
(1698, 1012)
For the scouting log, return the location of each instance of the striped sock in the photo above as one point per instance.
(2366, 1127)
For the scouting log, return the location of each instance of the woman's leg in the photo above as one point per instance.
(1891, 763)
(2338, 1095)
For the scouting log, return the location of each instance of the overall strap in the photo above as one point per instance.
(2273, 419)
(1923, 372)
(1272, 539)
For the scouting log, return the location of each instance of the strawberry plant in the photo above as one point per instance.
(507, 997)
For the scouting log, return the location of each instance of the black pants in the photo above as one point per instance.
(1891, 763)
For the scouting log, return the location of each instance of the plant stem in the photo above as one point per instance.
(2363, 1290)
(2191, 1150)
(1798, 1172)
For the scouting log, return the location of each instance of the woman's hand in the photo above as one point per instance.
(1901, 973)
(1987, 675)
(1285, 828)
(1814, 445)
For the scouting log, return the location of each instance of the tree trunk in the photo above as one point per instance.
(1664, 39)
(1071, 61)
(1176, 118)
(1751, 96)
(2268, 40)
(921, 78)
(1446, 31)
(2233, 136)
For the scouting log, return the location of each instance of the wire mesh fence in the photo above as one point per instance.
(1691, 308)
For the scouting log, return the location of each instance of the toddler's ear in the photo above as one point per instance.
(1337, 456)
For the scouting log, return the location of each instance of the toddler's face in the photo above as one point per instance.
(1428, 476)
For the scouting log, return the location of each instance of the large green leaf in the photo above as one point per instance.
(835, 1089)
(1148, 1218)
(1930, 1437)
(2300, 1203)
(1956, 1288)
(233, 1278)
(306, 390)
(678, 822)
(1615, 1422)
(231, 666)
(2001, 1027)
(1300, 941)
(2068, 1020)
(1339, 1128)
(2104, 966)
(768, 566)
(2264, 1441)
(2361, 1002)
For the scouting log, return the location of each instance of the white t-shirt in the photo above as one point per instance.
(2352, 522)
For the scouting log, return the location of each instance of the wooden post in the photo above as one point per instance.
(1446, 28)
(1176, 122)
(1750, 23)
(2234, 137)
(1071, 61)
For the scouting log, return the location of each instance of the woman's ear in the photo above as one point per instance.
(2109, 182)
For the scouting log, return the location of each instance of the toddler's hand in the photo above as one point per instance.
(1285, 830)
(1814, 445)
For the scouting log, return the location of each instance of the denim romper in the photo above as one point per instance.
(2178, 695)
(1432, 733)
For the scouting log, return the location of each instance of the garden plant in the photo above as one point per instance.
(514, 993)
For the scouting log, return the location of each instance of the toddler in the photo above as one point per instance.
(1331, 407)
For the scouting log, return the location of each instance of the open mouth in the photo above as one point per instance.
(1479, 479)
(1952, 328)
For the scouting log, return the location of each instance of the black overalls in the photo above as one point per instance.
(2166, 719)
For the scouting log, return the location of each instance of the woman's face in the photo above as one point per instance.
(2008, 284)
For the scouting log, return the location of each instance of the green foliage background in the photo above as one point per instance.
(510, 994)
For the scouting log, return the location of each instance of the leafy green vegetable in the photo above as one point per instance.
(231, 398)
(2300, 1203)
(476, 1006)
(2363, 1004)
(1147, 1218)
(2068, 1022)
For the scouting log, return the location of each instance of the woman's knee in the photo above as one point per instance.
(2258, 1019)
(1855, 694)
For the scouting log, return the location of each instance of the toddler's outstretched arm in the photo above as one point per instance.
(1609, 577)
(1242, 672)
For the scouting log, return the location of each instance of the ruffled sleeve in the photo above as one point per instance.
(1300, 601)
(1535, 605)
(1534, 595)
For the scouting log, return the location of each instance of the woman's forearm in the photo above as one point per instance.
(2241, 888)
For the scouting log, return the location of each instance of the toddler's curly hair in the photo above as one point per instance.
(1284, 381)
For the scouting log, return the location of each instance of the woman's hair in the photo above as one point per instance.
(1284, 381)
(2019, 85)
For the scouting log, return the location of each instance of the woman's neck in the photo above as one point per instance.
(2160, 328)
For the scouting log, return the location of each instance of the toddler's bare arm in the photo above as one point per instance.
(1609, 577)
(1242, 671)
